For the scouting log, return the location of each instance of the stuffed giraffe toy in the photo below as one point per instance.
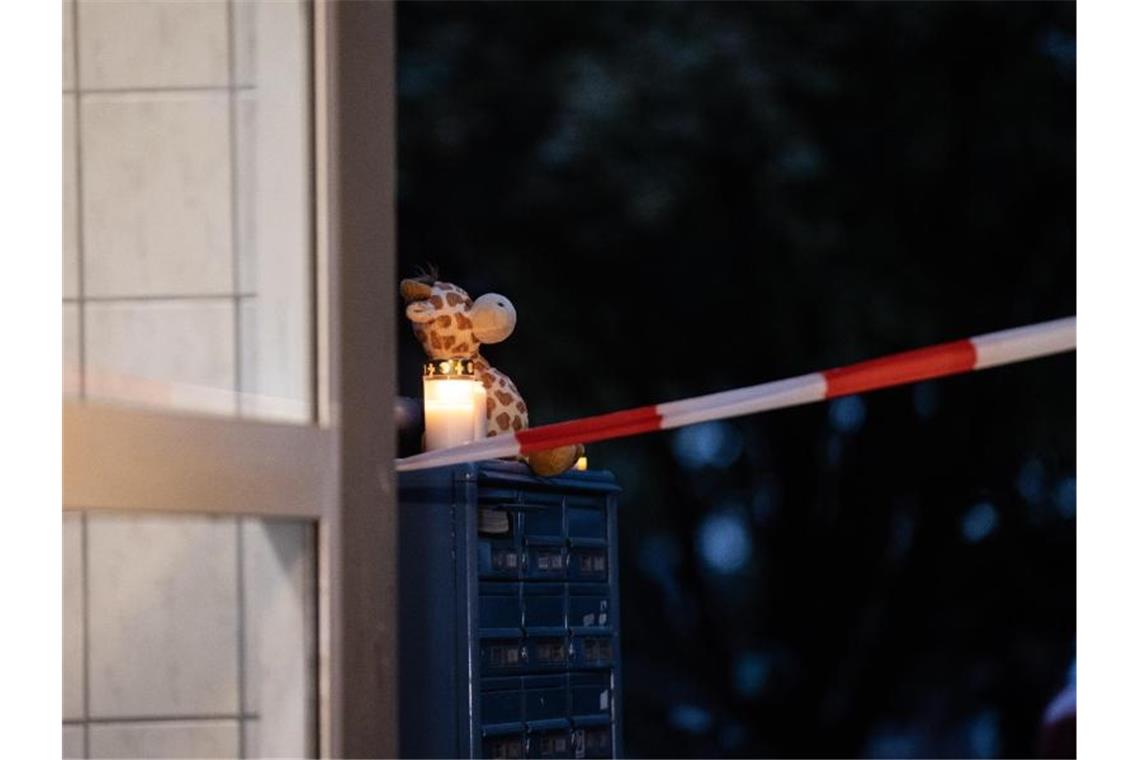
(449, 325)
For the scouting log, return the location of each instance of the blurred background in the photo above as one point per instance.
(685, 198)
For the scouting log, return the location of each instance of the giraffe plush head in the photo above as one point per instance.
(449, 325)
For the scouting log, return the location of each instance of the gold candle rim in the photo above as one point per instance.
(450, 369)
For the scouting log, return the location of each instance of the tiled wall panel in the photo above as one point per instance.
(70, 202)
(176, 354)
(73, 628)
(164, 625)
(273, 391)
(153, 44)
(68, 44)
(73, 741)
(279, 631)
(203, 627)
(196, 739)
(274, 211)
(71, 362)
(156, 194)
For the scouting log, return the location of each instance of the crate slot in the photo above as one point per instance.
(494, 522)
(508, 747)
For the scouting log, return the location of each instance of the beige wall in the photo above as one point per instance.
(187, 252)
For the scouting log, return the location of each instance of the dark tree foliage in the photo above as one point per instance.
(682, 198)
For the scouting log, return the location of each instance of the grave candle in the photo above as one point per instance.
(453, 405)
(480, 411)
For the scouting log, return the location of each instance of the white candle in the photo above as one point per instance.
(451, 411)
(480, 401)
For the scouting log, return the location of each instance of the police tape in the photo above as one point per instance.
(980, 352)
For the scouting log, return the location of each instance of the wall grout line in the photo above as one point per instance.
(315, 390)
(235, 264)
(81, 289)
(80, 263)
(199, 718)
(312, 607)
(235, 207)
(84, 585)
(241, 633)
(170, 297)
(158, 90)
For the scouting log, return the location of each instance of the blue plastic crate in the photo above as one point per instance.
(509, 627)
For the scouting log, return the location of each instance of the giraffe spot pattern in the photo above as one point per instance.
(462, 322)
(448, 341)
(436, 301)
(462, 348)
(504, 397)
(453, 298)
(521, 405)
(504, 420)
(516, 424)
(445, 321)
(435, 341)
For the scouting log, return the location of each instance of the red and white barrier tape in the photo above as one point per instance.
(990, 350)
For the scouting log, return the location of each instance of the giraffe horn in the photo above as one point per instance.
(414, 290)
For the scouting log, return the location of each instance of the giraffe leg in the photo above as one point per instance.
(553, 462)
(507, 412)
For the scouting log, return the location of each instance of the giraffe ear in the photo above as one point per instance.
(420, 311)
(415, 290)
